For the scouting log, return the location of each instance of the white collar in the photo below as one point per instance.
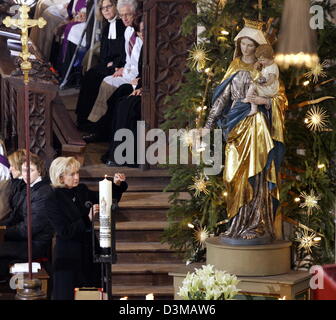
(113, 29)
(36, 181)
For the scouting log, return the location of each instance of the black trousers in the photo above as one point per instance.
(126, 113)
(89, 90)
(104, 126)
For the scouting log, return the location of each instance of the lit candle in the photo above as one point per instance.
(150, 296)
(105, 203)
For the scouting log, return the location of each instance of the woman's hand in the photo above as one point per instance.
(118, 178)
(118, 73)
(94, 211)
(137, 92)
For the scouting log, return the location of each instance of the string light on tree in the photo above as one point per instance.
(316, 119)
(310, 201)
(199, 186)
(306, 240)
(191, 226)
(306, 83)
(317, 71)
(321, 166)
(198, 57)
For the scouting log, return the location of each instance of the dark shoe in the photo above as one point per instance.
(111, 163)
(132, 165)
(91, 137)
(104, 158)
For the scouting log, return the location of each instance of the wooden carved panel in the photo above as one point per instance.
(9, 115)
(165, 54)
(38, 128)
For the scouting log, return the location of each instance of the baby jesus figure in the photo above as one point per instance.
(267, 85)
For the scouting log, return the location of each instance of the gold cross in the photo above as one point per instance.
(24, 23)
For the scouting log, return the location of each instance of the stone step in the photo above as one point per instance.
(139, 231)
(148, 200)
(144, 252)
(140, 292)
(134, 214)
(144, 274)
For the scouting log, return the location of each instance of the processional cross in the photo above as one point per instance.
(24, 23)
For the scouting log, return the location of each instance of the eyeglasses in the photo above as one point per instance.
(126, 15)
(106, 7)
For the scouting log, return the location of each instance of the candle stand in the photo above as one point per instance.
(106, 256)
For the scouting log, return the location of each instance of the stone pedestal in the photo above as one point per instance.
(291, 286)
(258, 260)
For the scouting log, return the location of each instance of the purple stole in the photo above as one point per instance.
(80, 5)
(4, 161)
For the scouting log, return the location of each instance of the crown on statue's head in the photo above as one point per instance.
(254, 24)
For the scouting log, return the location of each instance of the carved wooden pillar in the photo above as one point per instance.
(165, 54)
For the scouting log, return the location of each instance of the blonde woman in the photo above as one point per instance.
(16, 160)
(73, 265)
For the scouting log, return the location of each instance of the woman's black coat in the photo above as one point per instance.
(15, 248)
(72, 256)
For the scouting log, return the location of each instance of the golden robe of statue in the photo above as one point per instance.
(254, 145)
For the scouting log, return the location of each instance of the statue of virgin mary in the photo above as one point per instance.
(254, 145)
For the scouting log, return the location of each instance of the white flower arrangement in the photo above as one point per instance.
(209, 284)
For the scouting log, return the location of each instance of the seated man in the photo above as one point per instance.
(14, 248)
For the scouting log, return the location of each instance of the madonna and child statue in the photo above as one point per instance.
(249, 107)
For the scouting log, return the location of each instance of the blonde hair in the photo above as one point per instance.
(59, 167)
(17, 158)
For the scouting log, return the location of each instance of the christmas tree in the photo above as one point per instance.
(308, 173)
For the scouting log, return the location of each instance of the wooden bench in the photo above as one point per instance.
(66, 132)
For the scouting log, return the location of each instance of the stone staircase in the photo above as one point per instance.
(143, 262)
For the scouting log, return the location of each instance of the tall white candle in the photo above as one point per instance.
(105, 203)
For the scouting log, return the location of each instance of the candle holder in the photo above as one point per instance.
(106, 256)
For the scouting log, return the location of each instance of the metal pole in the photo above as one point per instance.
(92, 37)
(29, 212)
(65, 80)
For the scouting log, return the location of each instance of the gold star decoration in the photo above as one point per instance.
(310, 201)
(316, 119)
(201, 234)
(306, 240)
(198, 57)
(199, 186)
(316, 71)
